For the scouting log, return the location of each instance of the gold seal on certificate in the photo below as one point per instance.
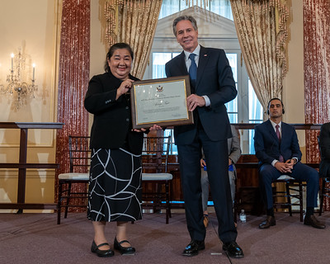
(161, 101)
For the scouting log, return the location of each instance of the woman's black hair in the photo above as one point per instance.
(111, 51)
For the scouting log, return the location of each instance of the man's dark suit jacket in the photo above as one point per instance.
(267, 145)
(112, 123)
(214, 79)
(325, 150)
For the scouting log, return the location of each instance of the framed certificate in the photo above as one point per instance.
(161, 101)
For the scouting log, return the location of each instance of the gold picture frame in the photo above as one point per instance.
(161, 101)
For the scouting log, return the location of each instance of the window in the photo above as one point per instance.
(245, 108)
(255, 115)
(232, 107)
(220, 7)
(159, 60)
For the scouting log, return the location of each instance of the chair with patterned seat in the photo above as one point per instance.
(155, 176)
(79, 155)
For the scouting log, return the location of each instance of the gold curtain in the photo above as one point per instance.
(262, 33)
(133, 22)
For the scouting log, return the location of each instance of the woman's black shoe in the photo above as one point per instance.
(101, 253)
(123, 250)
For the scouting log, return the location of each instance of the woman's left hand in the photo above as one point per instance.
(154, 127)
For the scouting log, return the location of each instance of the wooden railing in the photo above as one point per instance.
(295, 125)
(22, 165)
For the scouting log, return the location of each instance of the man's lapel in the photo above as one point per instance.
(271, 131)
(285, 132)
(203, 59)
(182, 68)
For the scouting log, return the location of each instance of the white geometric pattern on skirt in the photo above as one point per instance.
(115, 186)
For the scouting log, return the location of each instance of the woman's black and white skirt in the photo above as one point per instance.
(115, 192)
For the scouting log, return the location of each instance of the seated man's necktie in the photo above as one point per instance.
(278, 134)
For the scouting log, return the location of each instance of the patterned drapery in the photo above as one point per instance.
(262, 33)
(317, 71)
(133, 22)
(73, 79)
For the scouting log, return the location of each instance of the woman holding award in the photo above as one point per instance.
(115, 174)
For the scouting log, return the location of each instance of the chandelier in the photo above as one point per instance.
(19, 86)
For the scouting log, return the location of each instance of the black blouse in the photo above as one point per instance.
(112, 123)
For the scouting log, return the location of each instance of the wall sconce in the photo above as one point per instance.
(16, 84)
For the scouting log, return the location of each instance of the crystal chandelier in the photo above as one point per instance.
(18, 87)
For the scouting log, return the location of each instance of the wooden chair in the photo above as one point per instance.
(293, 190)
(79, 155)
(155, 174)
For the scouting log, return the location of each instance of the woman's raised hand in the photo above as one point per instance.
(124, 87)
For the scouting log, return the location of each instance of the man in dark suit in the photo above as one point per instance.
(212, 86)
(277, 148)
(325, 150)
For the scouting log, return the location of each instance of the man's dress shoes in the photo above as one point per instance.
(193, 248)
(233, 250)
(270, 221)
(312, 221)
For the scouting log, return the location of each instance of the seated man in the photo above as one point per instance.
(277, 148)
(234, 153)
(325, 150)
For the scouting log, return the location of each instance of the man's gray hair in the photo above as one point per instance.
(180, 18)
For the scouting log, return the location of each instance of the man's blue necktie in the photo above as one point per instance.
(193, 69)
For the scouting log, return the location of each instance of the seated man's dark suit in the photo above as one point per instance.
(268, 148)
(325, 150)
